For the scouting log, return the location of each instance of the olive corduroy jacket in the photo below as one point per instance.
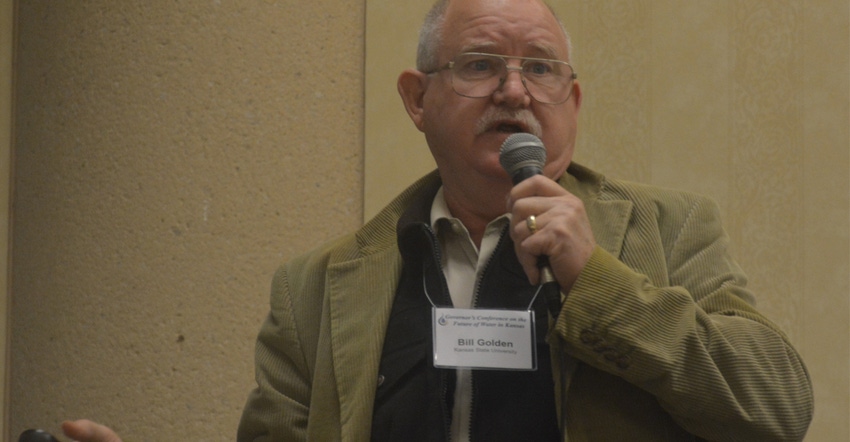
(657, 340)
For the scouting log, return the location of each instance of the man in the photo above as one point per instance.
(655, 338)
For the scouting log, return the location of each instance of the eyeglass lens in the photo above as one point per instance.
(479, 75)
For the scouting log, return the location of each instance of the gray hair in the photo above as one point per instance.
(431, 35)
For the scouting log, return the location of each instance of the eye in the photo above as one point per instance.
(480, 65)
(540, 68)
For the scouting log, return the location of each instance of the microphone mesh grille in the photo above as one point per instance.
(522, 150)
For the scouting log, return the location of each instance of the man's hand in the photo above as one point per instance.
(84, 430)
(563, 230)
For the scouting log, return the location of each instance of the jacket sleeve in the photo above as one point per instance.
(694, 341)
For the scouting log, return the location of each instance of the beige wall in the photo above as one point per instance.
(744, 100)
(170, 154)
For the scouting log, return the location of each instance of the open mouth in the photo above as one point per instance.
(510, 128)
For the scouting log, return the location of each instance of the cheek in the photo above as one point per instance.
(558, 161)
(560, 147)
(449, 120)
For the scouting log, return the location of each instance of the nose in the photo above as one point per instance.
(512, 91)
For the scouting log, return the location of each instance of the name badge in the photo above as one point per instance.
(484, 339)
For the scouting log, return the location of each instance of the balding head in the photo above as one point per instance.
(431, 36)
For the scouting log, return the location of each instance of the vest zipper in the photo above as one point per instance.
(445, 298)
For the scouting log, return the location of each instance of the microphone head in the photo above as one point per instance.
(522, 151)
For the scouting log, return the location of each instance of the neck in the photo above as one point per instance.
(475, 215)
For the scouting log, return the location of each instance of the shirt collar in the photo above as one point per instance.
(442, 216)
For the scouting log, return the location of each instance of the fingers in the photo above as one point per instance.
(84, 430)
(532, 187)
(529, 202)
(548, 220)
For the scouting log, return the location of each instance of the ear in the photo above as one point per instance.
(577, 95)
(411, 86)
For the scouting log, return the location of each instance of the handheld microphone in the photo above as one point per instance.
(523, 155)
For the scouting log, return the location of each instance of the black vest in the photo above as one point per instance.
(414, 399)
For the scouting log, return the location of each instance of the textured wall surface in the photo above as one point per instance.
(747, 101)
(169, 156)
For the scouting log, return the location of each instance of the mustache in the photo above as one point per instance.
(496, 115)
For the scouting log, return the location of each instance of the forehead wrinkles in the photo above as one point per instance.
(532, 49)
(490, 33)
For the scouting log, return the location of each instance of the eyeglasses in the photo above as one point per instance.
(478, 75)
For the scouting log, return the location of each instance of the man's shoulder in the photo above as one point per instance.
(602, 187)
(378, 235)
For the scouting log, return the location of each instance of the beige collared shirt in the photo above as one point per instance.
(463, 264)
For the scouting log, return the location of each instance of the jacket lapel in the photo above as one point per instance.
(361, 293)
(608, 214)
(609, 220)
(361, 288)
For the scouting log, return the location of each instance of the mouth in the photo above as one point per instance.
(509, 127)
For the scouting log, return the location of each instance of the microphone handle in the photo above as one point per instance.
(525, 172)
(549, 286)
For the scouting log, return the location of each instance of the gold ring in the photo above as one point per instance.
(531, 223)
